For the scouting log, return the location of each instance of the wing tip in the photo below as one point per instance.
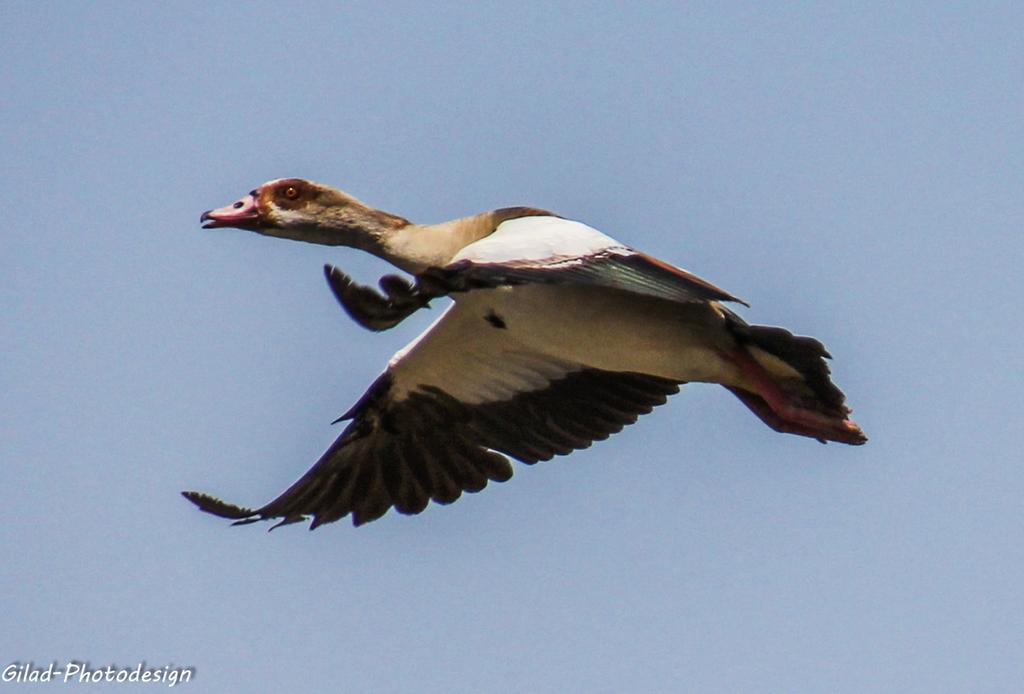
(239, 514)
(218, 507)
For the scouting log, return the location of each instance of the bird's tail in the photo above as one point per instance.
(786, 383)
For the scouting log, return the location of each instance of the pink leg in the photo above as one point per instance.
(778, 411)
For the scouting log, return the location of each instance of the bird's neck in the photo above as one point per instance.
(354, 225)
(410, 247)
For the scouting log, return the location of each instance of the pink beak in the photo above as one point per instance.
(242, 214)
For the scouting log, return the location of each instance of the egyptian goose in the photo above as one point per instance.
(558, 336)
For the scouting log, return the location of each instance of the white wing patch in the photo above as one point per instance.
(536, 240)
(472, 361)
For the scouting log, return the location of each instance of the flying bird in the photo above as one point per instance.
(557, 336)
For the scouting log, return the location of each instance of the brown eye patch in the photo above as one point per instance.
(291, 194)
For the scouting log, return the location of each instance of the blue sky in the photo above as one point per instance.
(854, 171)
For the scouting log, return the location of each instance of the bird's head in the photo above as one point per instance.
(294, 208)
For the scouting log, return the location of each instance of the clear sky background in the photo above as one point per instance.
(854, 171)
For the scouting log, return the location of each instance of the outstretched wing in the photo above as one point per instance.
(438, 420)
(552, 250)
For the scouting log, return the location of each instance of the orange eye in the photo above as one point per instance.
(291, 192)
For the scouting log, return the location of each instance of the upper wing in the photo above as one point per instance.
(430, 425)
(368, 307)
(555, 250)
